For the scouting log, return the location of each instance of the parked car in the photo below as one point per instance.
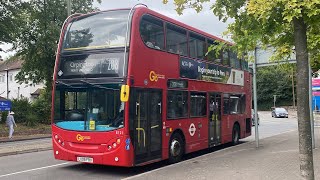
(252, 118)
(279, 112)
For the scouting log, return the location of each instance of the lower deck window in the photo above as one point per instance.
(177, 104)
(198, 104)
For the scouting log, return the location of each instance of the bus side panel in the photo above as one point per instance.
(226, 129)
(195, 132)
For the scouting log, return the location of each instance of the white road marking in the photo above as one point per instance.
(20, 172)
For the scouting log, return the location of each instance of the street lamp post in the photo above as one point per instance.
(69, 7)
(255, 101)
(293, 96)
(7, 70)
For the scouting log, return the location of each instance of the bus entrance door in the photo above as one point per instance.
(147, 124)
(214, 119)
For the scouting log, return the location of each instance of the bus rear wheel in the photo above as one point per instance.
(176, 148)
(235, 134)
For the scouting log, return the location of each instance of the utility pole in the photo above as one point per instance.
(255, 101)
(69, 7)
(293, 94)
(310, 106)
(7, 70)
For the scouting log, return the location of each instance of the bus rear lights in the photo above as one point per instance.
(114, 145)
(116, 159)
(56, 136)
(109, 147)
(118, 141)
(57, 152)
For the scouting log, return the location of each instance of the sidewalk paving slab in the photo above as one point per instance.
(24, 137)
(22, 144)
(276, 158)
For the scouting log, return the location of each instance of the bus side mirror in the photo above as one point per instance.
(124, 95)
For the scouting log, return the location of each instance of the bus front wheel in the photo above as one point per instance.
(176, 148)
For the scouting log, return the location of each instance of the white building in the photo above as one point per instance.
(10, 88)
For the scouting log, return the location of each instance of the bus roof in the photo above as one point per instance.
(181, 24)
(145, 10)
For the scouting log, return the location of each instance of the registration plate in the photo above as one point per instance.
(85, 159)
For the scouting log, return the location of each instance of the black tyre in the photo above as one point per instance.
(176, 148)
(235, 135)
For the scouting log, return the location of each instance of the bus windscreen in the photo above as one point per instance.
(96, 31)
(87, 109)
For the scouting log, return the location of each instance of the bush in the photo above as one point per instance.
(42, 107)
(31, 119)
(3, 116)
(32, 113)
(21, 108)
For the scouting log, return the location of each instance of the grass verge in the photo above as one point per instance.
(25, 130)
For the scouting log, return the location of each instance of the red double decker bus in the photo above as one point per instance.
(132, 87)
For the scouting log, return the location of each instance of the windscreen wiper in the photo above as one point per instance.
(60, 82)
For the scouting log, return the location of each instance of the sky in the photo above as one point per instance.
(205, 20)
(6, 54)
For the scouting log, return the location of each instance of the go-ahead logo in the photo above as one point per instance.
(82, 138)
(153, 76)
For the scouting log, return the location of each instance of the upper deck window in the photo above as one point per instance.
(95, 31)
(176, 40)
(234, 61)
(197, 46)
(151, 30)
(212, 55)
(225, 58)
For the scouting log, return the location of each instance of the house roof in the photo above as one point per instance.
(11, 64)
(36, 92)
(3, 99)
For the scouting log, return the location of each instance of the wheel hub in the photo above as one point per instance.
(175, 148)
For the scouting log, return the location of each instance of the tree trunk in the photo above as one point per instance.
(303, 109)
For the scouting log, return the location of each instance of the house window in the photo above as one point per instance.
(1, 78)
(11, 77)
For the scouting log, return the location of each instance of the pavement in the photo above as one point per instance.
(276, 158)
(25, 144)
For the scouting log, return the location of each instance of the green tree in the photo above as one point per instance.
(283, 24)
(9, 13)
(35, 36)
(274, 80)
